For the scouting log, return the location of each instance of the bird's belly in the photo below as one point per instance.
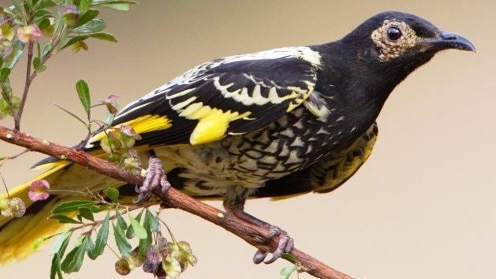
(288, 145)
(209, 169)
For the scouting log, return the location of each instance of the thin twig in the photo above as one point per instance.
(27, 84)
(31, 75)
(12, 157)
(175, 199)
(5, 185)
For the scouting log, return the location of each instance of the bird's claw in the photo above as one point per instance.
(285, 245)
(155, 179)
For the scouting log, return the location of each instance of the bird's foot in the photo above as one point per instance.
(285, 245)
(285, 242)
(155, 181)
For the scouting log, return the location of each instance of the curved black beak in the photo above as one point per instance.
(447, 40)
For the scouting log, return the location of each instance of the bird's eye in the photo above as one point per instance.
(394, 33)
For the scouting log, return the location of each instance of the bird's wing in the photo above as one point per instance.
(228, 96)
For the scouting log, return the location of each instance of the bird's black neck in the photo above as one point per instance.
(360, 83)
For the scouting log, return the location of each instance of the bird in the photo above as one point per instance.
(275, 123)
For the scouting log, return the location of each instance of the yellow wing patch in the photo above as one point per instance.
(213, 122)
(143, 124)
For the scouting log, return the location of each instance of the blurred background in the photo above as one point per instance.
(421, 207)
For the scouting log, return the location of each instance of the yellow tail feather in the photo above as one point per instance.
(20, 237)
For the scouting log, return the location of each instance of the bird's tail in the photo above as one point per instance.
(21, 236)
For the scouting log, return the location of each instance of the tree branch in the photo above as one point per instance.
(254, 235)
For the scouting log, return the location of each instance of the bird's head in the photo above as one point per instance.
(402, 39)
(380, 53)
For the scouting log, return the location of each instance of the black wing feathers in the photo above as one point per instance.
(256, 91)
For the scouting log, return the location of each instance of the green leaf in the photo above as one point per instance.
(13, 58)
(148, 223)
(104, 36)
(90, 249)
(138, 217)
(38, 45)
(288, 270)
(151, 221)
(71, 206)
(61, 244)
(86, 213)
(74, 259)
(85, 18)
(121, 241)
(84, 95)
(112, 194)
(40, 15)
(116, 5)
(139, 230)
(84, 5)
(130, 230)
(102, 236)
(36, 63)
(44, 23)
(42, 68)
(119, 7)
(55, 268)
(120, 220)
(49, 3)
(63, 219)
(58, 251)
(145, 243)
(93, 26)
(46, 4)
(99, 208)
(74, 40)
(46, 49)
(4, 74)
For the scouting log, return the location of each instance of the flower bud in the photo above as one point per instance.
(30, 33)
(122, 267)
(70, 14)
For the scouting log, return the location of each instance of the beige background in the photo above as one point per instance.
(422, 206)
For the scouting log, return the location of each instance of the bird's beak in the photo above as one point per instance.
(447, 40)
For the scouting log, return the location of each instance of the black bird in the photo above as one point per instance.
(279, 122)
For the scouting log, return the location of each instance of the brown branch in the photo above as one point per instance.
(173, 198)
